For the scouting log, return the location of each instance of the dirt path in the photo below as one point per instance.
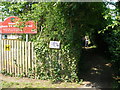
(96, 69)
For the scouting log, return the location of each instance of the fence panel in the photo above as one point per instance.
(17, 57)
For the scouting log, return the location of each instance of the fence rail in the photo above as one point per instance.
(17, 58)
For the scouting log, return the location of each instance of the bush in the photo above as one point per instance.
(112, 38)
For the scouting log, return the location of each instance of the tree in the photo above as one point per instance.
(64, 22)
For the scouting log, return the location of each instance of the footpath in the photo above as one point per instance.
(96, 69)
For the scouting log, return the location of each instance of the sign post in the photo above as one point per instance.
(54, 45)
(26, 37)
(0, 36)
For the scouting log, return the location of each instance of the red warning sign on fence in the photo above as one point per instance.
(13, 25)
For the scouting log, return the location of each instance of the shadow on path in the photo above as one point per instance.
(95, 69)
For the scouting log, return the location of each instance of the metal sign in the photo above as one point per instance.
(12, 25)
(7, 47)
(54, 44)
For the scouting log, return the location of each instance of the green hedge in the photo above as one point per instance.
(58, 64)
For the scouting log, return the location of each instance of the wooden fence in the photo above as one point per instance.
(17, 58)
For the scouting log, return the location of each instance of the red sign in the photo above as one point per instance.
(12, 25)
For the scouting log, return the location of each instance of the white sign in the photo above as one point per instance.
(54, 44)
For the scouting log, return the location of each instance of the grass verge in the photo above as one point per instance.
(6, 84)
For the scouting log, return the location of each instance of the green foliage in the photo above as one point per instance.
(68, 23)
(113, 39)
(64, 22)
(111, 36)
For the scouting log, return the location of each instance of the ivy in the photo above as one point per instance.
(64, 22)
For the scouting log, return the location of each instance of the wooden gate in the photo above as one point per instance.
(17, 58)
